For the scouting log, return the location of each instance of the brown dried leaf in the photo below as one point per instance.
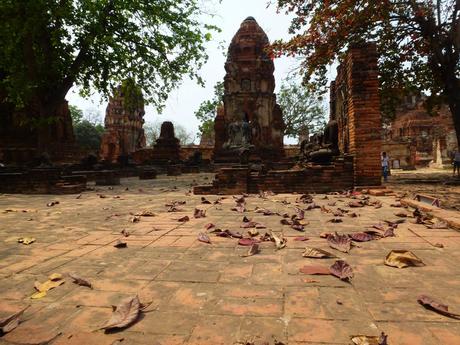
(361, 237)
(402, 258)
(145, 214)
(248, 225)
(316, 253)
(301, 238)
(280, 242)
(205, 201)
(52, 203)
(253, 250)
(125, 314)
(184, 219)
(435, 306)
(135, 219)
(356, 203)
(315, 270)
(342, 270)
(369, 340)
(79, 280)
(9, 323)
(390, 232)
(298, 227)
(247, 241)
(202, 237)
(209, 226)
(253, 232)
(335, 220)
(239, 208)
(198, 213)
(285, 221)
(339, 242)
(438, 225)
(120, 244)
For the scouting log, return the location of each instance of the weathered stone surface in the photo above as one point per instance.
(123, 128)
(249, 101)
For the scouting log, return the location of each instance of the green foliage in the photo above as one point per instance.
(132, 95)
(417, 41)
(301, 109)
(88, 135)
(206, 112)
(48, 46)
(76, 114)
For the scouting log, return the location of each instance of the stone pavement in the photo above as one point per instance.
(208, 293)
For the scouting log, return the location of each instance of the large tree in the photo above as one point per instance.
(49, 46)
(418, 43)
(303, 112)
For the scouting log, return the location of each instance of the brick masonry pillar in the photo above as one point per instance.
(365, 123)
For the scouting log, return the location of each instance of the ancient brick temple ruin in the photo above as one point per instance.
(251, 119)
(124, 131)
(20, 143)
(416, 138)
(346, 155)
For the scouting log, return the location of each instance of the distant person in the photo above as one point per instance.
(385, 166)
(456, 163)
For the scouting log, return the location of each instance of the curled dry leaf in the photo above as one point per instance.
(202, 237)
(209, 226)
(43, 288)
(253, 250)
(247, 241)
(246, 219)
(205, 201)
(324, 209)
(342, 270)
(390, 232)
(335, 220)
(124, 314)
(361, 237)
(436, 306)
(260, 226)
(356, 203)
(79, 280)
(280, 242)
(135, 219)
(369, 340)
(298, 227)
(402, 259)
(264, 211)
(26, 240)
(285, 221)
(316, 253)
(184, 219)
(198, 213)
(239, 208)
(315, 270)
(229, 233)
(12, 321)
(352, 215)
(52, 203)
(253, 232)
(438, 225)
(174, 209)
(339, 242)
(337, 213)
(248, 225)
(301, 238)
(120, 244)
(300, 214)
(55, 277)
(145, 214)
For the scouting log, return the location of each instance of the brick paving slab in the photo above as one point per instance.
(210, 293)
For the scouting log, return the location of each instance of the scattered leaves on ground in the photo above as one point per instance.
(280, 242)
(361, 237)
(7, 324)
(402, 259)
(253, 250)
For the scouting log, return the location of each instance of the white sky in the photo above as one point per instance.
(185, 100)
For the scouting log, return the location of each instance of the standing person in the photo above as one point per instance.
(385, 166)
(456, 163)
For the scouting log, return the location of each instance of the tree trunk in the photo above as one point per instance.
(453, 99)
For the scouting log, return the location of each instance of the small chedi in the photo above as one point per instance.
(167, 146)
(123, 123)
(251, 122)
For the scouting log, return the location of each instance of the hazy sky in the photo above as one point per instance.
(183, 102)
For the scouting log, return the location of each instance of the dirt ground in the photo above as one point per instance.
(434, 182)
(212, 293)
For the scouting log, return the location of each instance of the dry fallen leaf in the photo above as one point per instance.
(315, 270)
(198, 213)
(342, 270)
(253, 250)
(301, 238)
(209, 226)
(316, 253)
(184, 219)
(52, 203)
(402, 258)
(145, 214)
(205, 201)
(124, 314)
(120, 244)
(369, 340)
(55, 276)
(361, 237)
(9, 323)
(202, 237)
(26, 240)
(280, 242)
(253, 232)
(339, 242)
(135, 219)
(79, 280)
(436, 306)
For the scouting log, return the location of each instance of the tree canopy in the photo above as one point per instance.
(418, 43)
(206, 112)
(303, 112)
(48, 46)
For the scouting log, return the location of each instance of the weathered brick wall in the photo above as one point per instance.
(315, 179)
(355, 102)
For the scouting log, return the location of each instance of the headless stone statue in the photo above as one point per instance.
(321, 148)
